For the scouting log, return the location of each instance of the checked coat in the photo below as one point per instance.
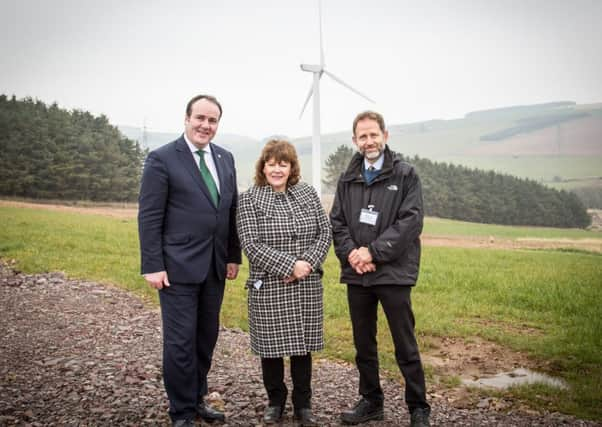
(276, 230)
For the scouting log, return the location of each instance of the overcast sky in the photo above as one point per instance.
(138, 61)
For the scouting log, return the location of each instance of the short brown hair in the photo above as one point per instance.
(281, 151)
(370, 115)
(209, 98)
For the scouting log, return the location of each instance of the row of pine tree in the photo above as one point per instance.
(50, 153)
(458, 192)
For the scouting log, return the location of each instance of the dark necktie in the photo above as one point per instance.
(208, 178)
(370, 174)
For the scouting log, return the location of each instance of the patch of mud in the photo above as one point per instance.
(472, 358)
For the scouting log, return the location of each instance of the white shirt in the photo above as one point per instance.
(208, 160)
(378, 164)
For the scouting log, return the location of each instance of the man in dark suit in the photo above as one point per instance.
(189, 245)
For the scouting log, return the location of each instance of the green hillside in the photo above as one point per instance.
(578, 129)
(560, 141)
(558, 144)
(555, 143)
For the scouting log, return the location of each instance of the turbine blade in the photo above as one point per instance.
(341, 82)
(321, 46)
(311, 91)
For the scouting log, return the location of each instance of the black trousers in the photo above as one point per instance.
(396, 303)
(273, 380)
(190, 315)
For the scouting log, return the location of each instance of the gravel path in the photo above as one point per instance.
(78, 353)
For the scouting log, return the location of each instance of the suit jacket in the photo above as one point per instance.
(181, 231)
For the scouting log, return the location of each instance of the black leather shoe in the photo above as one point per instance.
(210, 414)
(273, 414)
(183, 423)
(305, 418)
(420, 418)
(363, 411)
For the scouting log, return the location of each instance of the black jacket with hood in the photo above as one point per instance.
(394, 241)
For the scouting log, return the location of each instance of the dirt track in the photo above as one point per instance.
(111, 211)
(594, 245)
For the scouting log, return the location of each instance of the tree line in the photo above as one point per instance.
(50, 153)
(474, 195)
(591, 196)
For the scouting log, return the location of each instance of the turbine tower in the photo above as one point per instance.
(317, 70)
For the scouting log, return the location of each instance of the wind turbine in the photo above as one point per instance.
(318, 70)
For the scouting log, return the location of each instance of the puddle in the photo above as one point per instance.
(519, 376)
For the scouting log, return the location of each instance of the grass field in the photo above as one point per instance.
(555, 293)
(448, 227)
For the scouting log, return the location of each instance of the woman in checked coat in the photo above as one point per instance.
(285, 234)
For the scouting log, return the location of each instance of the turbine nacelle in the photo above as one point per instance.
(312, 68)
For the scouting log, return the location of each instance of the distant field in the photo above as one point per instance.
(572, 149)
(539, 168)
(448, 227)
(544, 304)
(436, 141)
(577, 183)
(581, 137)
(437, 231)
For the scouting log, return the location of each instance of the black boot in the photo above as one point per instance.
(363, 411)
(420, 418)
(209, 413)
(305, 418)
(273, 414)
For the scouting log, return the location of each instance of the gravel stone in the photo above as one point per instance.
(79, 353)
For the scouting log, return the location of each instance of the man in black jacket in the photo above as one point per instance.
(377, 219)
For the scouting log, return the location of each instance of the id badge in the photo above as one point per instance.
(368, 216)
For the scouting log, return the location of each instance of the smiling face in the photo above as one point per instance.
(201, 124)
(277, 173)
(369, 139)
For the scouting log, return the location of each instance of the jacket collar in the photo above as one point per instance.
(354, 170)
(268, 191)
